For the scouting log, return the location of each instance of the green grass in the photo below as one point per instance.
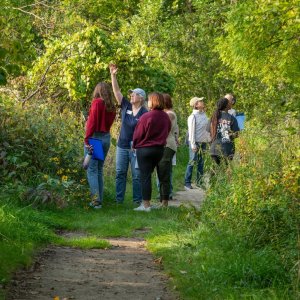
(205, 258)
(90, 242)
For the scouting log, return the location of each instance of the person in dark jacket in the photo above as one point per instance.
(131, 111)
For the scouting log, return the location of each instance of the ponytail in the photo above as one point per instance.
(221, 105)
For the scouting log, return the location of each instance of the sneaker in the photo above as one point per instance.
(142, 208)
(95, 204)
(188, 187)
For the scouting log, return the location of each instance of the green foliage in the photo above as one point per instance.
(262, 40)
(17, 39)
(41, 148)
(243, 244)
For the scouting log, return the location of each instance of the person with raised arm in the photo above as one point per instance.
(131, 111)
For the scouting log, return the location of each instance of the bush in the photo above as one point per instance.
(42, 148)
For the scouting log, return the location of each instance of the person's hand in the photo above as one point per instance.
(113, 69)
(89, 148)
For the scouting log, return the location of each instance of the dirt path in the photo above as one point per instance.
(193, 197)
(126, 271)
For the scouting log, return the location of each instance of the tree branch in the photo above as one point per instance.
(27, 12)
(40, 84)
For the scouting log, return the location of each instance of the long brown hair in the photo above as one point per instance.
(221, 105)
(168, 101)
(103, 90)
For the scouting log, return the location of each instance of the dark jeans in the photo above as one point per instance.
(164, 170)
(195, 158)
(148, 158)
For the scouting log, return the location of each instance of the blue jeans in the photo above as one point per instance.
(124, 157)
(95, 169)
(195, 158)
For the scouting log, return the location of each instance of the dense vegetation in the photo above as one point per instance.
(245, 242)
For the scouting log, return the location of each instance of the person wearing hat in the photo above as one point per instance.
(198, 138)
(131, 111)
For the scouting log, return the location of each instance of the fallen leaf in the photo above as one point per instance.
(158, 260)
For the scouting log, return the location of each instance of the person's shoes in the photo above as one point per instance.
(95, 204)
(142, 208)
(188, 187)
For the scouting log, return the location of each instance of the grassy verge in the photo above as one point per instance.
(241, 246)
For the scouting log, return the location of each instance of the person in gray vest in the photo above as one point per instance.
(198, 138)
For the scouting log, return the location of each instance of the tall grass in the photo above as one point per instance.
(243, 244)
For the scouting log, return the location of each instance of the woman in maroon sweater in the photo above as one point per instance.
(101, 117)
(149, 139)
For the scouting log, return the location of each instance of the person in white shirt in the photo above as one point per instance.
(198, 137)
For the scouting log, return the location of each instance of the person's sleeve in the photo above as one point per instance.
(91, 123)
(208, 126)
(138, 133)
(191, 126)
(124, 103)
(235, 125)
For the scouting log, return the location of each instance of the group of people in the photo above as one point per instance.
(220, 132)
(148, 140)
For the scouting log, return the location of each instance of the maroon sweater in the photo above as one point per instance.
(152, 129)
(99, 120)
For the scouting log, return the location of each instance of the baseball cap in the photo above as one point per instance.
(195, 100)
(139, 91)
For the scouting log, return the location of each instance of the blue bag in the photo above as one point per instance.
(97, 149)
(240, 117)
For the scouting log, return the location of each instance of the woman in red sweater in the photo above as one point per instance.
(101, 117)
(149, 140)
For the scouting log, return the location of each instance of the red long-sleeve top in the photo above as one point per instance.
(152, 129)
(99, 120)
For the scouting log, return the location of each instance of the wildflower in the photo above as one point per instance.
(64, 178)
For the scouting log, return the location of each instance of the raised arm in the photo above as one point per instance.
(116, 89)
